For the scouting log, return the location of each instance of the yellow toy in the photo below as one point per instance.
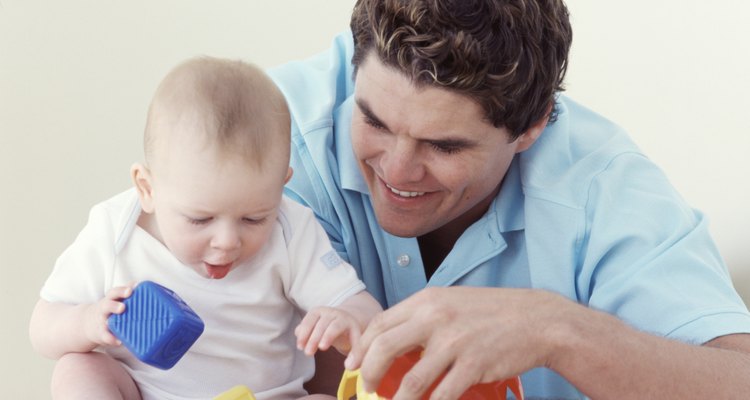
(240, 392)
(351, 384)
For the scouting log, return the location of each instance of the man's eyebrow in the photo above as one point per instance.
(447, 142)
(365, 108)
(454, 143)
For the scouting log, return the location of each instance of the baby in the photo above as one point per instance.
(208, 220)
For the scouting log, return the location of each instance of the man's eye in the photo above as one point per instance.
(373, 122)
(446, 148)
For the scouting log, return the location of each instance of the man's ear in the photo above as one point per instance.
(532, 134)
(141, 176)
(289, 173)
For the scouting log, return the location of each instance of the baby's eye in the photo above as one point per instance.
(254, 221)
(199, 221)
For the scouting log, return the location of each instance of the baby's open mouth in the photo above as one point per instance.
(217, 271)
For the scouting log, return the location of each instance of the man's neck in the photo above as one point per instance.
(433, 252)
(436, 245)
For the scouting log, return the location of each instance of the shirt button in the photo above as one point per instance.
(403, 260)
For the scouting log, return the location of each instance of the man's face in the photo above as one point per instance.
(429, 157)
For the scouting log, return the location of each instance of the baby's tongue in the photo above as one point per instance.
(217, 271)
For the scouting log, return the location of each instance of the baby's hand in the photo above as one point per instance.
(95, 322)
(324, 327)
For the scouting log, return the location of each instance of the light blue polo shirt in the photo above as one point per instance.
(583, 213)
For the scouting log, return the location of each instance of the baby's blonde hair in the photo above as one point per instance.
(236, 104)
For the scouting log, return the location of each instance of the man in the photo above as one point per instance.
(436, 150)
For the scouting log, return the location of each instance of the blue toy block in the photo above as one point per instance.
(157, 326)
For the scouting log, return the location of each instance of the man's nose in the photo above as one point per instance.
(402, 164)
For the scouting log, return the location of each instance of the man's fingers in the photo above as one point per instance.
(422, 375)
(458, 379)
(381, 323)
(386, 347)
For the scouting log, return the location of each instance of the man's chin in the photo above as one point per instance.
(404, 223)
(403, 230)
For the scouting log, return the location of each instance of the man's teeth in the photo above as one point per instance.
(404, 194)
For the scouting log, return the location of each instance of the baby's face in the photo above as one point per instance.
(214, 211)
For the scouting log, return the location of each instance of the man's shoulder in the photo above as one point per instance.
(571, 153)
(314, 87)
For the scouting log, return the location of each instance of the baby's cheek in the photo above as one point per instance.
(253, 243)
(188, 250)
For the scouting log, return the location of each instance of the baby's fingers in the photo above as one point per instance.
(305, 329)
(341, 335)
(334, 332)
(95, 322)
(107, 338)
(313, 341)
(107, 307)
(119, 292)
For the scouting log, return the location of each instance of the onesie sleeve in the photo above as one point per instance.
(317, 275)
(650, 260)
(82, 271)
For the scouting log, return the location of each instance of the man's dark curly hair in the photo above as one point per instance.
(510, 56)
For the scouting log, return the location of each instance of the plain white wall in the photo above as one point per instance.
(76, 78)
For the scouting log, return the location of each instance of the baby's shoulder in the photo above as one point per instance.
(116, 217)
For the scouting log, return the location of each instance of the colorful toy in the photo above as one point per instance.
(157, 326)
(351, 384)
(236, 393)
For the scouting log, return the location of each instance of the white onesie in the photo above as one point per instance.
(249, 315)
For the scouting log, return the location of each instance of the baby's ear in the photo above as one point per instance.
(141, 176)
(289, 173)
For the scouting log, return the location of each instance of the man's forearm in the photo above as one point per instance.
(606, 359)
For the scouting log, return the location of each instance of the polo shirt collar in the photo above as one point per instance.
(349, 173)
(508, 206)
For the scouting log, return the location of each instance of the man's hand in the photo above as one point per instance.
(474, 335)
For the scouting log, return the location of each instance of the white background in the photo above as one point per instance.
(76, 77)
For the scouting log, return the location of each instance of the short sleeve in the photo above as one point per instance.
(81, 272)
(650, 260)
(318, 276)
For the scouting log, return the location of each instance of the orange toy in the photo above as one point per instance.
(351, 384)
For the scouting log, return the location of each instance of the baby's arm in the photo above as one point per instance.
(58, 328)
(339, 326)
